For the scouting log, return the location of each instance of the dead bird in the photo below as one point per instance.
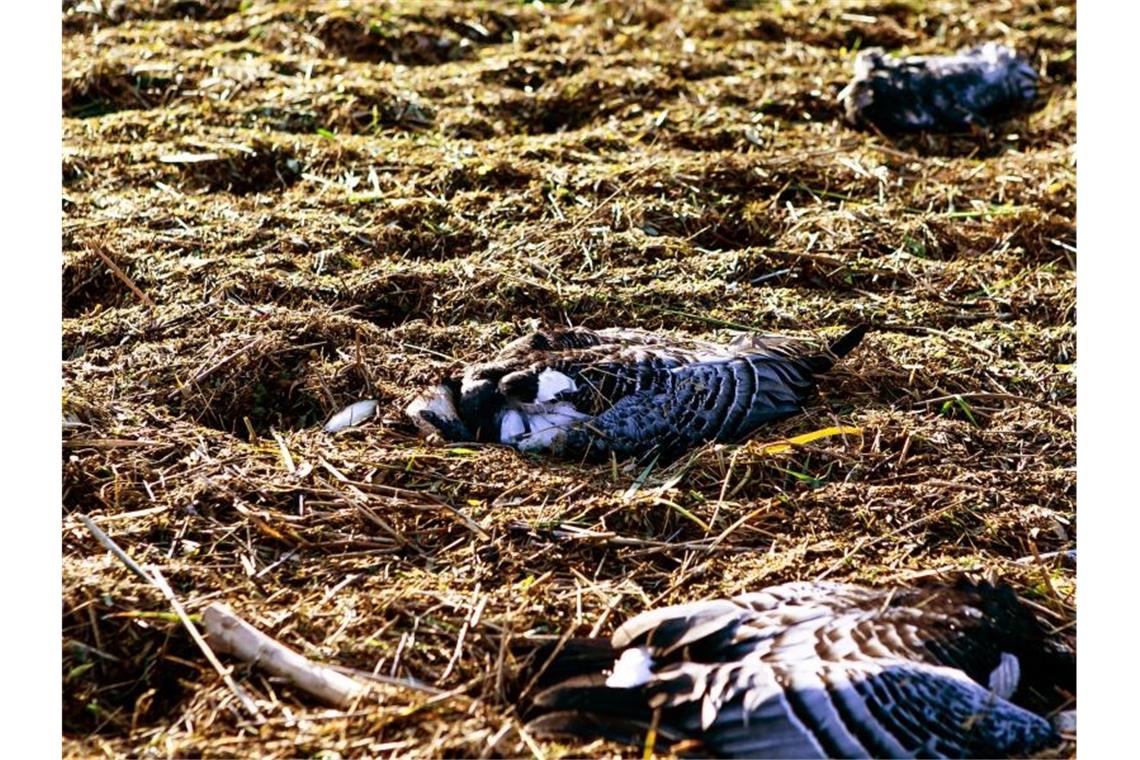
(976, 86)
(586, 394)
(815, 669)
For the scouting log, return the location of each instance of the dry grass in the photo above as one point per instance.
(310, 203)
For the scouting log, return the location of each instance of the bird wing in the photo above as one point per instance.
(816, 670)
(646, 394)
(848, 710)
(601, 379)
(805, 708)
(720, 400)
(862, 709)
(973, 628)
(989, 78)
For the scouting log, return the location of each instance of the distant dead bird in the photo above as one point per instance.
(814, 670)
(586, 394)
(977, 86)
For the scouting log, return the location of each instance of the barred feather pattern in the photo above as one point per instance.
(826, 670)
(628, 393)
(722, 400)
(976, 86)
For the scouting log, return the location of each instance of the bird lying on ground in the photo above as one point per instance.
(813, 670)
(586, 394)
(950, 93)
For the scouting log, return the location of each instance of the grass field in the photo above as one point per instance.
(274, 209)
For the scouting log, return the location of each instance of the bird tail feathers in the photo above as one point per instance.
(847, 343)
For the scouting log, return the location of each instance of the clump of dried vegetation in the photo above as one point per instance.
(272, 209)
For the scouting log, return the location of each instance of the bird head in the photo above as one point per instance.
(436, 412)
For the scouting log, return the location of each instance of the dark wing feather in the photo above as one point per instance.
(724, 400)
(569, 339)
(969, 627)
(602, 378)
(902, 709)
(950, 714)
(559, 661)
(771, 730)
(825, 710)
(582, 694)
(819, 670)
(684, 626)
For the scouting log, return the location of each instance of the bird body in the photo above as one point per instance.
(976, 86)
(582, 393)
(817, 670)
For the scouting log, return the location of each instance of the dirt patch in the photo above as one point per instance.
(85, 16)
(90, 284)
(414, 39)
(247, 386)
(108, 87)
(255, 168)
(358, 110)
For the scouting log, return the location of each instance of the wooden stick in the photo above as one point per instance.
(1068, 557)
(404, 683)
(471, 621)
(115, 270)
(203, 374)
(981, 396)
(233, 635)
(112, 547)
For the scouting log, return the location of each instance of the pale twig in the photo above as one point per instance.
(471, 621)
(242, 640)
(115, 270)
(981, 396)
(112, 547)
(403, 683)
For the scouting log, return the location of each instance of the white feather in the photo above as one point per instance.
(356, 414)
(633, 668)
(551, 383)
(437, 400)
(1066, 721)
(1006, 676)
(511, 427)
(547, 427)
(541, 440)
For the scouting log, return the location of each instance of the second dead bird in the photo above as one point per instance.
(951, 93)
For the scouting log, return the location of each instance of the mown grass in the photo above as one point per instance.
(322, 202)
